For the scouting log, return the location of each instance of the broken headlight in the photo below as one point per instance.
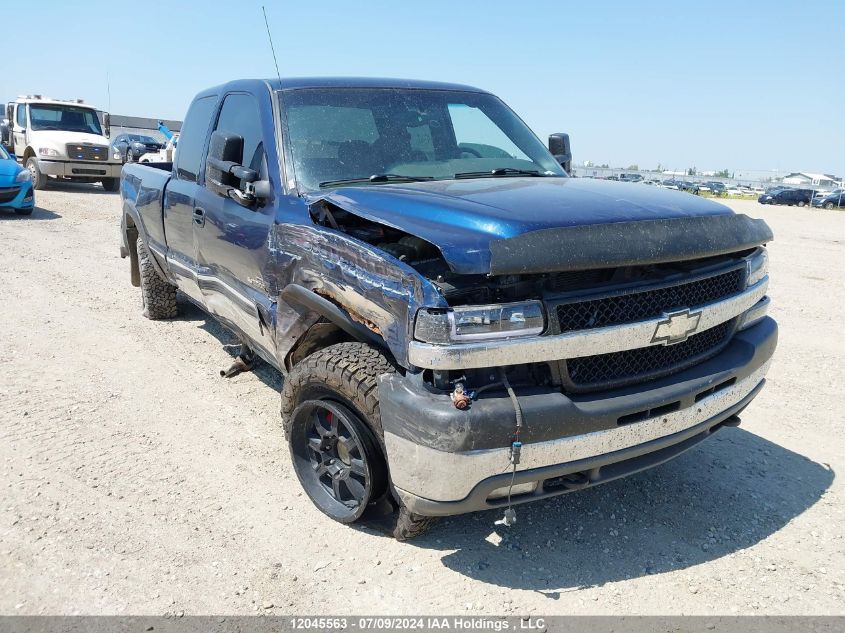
(758, 267)
(473, 323)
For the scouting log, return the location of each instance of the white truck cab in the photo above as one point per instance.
(60, 139)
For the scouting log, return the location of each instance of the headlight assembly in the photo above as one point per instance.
(23, 176)
(473, 323)
(758, 267)
(47, 151)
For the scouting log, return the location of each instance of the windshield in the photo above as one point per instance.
(65, 118)
(141, 139)
(341, 134)
(4, 155)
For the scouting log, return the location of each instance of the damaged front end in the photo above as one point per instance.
(576, 347)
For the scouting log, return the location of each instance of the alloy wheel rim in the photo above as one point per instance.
(337, 457)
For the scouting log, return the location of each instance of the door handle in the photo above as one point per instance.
(199, 216)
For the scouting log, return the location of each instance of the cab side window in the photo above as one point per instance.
(192, 139)
(240, 115)
(20, 115)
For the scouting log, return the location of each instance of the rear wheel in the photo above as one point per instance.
(801, 203)
(111, 184)
(158, 297)
(331, 417)
(39, 180)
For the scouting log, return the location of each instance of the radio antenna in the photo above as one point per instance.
(272, 48)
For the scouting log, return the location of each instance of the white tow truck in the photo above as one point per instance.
(61, 139)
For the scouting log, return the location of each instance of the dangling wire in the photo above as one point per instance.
(516, 447)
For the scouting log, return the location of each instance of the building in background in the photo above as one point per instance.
(806, 178)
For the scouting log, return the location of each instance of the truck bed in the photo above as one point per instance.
(142, 188)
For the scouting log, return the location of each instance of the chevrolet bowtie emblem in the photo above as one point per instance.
(676, 327)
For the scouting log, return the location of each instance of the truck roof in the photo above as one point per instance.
(293, 83)
(49, 101)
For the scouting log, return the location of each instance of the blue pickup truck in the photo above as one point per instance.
(460, 324)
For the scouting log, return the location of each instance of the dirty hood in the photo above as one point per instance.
(497, 225)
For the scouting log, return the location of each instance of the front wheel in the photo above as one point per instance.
(111, 184)
(828, 205)
(331, 416)
(39, 180)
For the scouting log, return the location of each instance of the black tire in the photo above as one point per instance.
(347, 374)
(24, 211)
(39, 180)
(158, 297)
(111, 184)
(801, 203)
(828, 205)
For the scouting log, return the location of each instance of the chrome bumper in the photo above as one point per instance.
(424, 474)
(537, 349)
(72, 169)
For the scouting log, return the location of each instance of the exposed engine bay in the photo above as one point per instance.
(461, 289)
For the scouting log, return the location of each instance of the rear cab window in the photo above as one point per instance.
(193, 137)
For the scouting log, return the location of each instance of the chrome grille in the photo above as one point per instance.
(99, 153)
(638, 305)
(645, 363)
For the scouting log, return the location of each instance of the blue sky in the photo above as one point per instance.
(737, 85)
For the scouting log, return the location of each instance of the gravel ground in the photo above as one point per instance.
(136, 480)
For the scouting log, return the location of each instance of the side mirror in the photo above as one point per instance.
(561, 150)
(106, 125)
(225, 175)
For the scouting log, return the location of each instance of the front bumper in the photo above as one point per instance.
(446, 461)
(23, 199)
(79, 169)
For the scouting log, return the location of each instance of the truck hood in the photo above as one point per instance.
(470, 219)
(59, 139)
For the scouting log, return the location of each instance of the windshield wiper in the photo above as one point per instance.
(376, 178)
(500, 171)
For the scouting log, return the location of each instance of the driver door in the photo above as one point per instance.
(19, 130)
(232, 240)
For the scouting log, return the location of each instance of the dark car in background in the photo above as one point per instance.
(630, 178)
(133, 146)
(790, 197)
(834, 200)
(718, 188)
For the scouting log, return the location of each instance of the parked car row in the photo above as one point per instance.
(708, 186)
(787, 195)
(829, 200)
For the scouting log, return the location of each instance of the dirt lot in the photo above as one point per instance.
(136, 480)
